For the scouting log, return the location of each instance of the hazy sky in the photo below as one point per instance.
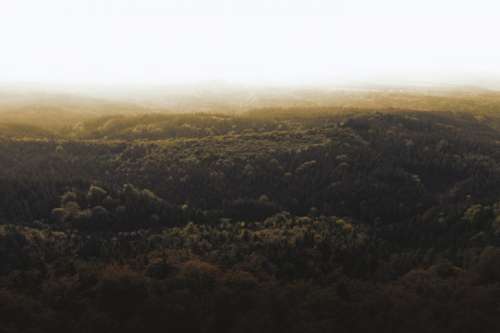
(279, 41)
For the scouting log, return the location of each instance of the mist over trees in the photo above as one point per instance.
(379, 212)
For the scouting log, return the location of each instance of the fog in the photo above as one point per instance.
(252, 42)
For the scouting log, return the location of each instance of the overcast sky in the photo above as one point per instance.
(251, 41)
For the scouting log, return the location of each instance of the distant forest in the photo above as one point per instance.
(356, 212)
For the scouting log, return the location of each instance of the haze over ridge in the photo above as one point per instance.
(276, 42)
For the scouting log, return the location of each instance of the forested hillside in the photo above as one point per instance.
(349, 218)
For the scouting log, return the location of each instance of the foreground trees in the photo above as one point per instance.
(379, 221)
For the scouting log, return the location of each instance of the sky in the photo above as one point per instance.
(251, 41)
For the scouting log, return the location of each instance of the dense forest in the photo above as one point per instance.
(377, 213)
